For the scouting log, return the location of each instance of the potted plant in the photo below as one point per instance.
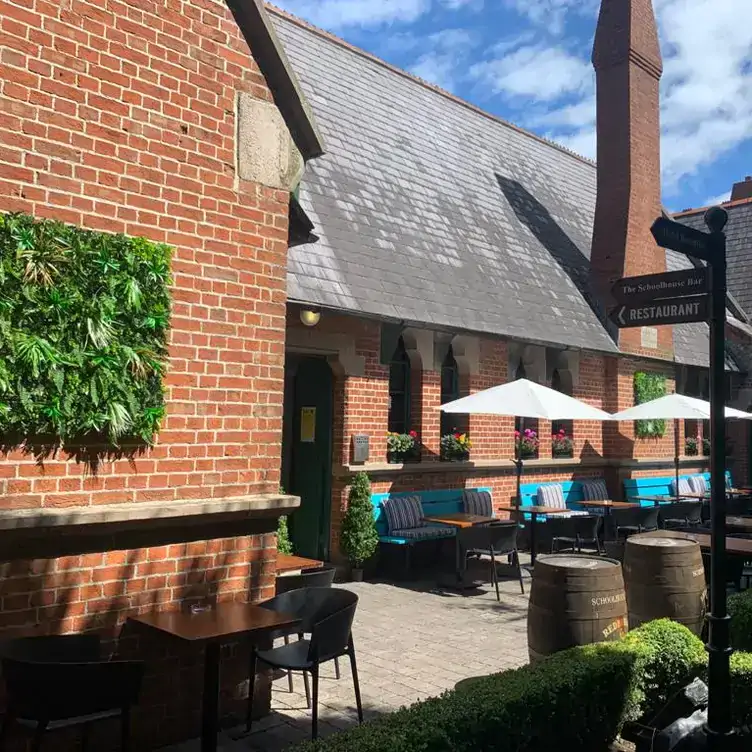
(526, 444)
(691, 446)
(402, 447)
(455, 447)
(359, 537)
(561, 444)
(284, 544)
(705, 447)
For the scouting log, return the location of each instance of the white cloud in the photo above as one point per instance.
(551, 14)
(338, 14)
(459, 4)
(443, 58)
(719, 199)
(535, 71)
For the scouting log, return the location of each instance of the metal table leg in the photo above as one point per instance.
(210, 700)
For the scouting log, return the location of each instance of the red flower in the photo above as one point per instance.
(457, 435)
(414, 434)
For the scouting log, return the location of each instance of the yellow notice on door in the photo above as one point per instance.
(308, 425)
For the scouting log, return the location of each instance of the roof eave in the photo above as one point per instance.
(267, 50)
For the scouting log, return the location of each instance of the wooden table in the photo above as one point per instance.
(223, 622)
(608, 504)
(459, 520)
(290, 564)
(662, 499)
(736, 546)
(534, 511)
(743, 524)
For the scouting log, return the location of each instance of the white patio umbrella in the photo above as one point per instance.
(675, 407)
(524, 399)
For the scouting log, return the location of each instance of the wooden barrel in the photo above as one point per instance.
(574, 600)
(664, 577)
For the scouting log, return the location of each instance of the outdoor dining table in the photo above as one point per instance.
(656, 500)
(221, 623)
(291, 564)
(734, 546)
(608, 504)
(533, 511)
(459, 520)
(742, 524)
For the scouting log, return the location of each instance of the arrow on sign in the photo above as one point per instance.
(666, 285)
(679, 237)
(669, 311)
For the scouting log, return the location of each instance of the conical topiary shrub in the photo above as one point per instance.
(359, 537)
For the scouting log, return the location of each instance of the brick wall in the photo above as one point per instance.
(121, 117)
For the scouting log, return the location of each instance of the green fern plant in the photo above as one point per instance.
(83, 332)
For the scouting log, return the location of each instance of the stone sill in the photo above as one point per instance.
(376, 469)
(193, 511)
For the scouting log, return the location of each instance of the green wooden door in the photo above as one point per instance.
(311, 457)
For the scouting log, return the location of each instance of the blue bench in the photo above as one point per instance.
(660, 486)
(433, 503)
(572, 490)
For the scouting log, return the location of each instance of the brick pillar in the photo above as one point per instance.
(430, 400)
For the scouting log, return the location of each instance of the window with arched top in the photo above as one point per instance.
(450, 390)
(561, 430)
(399, 390)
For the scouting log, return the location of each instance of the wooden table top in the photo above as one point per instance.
(460, 519)
(291, 563)
(608, 503)
(740, 523)
(742, 546)
(657, 499)
(532, 509)
(222, 621)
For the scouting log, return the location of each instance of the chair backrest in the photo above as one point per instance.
(322, 577)
(73, 648)
(562, 526)
(551, 495)
(499, 537)
(587, 527)
(594, 490)
(477, 502)
(685, 511)
(54, 690)
(331, 624)
(644, 517)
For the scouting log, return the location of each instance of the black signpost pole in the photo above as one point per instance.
(719, 726)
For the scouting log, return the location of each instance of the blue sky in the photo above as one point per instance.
(529, 61)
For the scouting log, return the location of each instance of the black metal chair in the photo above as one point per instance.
(319, 577)
(681, 514)
(495, 539)
(635, 520)
(574, 532)
(327, 614)
(60, 682)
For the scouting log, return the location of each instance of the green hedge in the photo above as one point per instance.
(577, 699)
(740, 611)
(83, 332)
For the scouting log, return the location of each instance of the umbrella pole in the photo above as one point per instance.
(676, 453)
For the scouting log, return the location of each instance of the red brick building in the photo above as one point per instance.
(180, 122)
(455, 252)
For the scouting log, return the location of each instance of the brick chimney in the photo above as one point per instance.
(628, 67)
(742, 190)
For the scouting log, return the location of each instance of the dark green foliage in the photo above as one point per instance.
(284, 544)
(573, 700)
(669, 656)
(741, 688)
(740, 611)
(647, 387)
(359, 537)
(83, 332)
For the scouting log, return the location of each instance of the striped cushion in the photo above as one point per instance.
(426, 531)
(403, 512)
(594, 490)
(551, 496)
(698, 484)
(477, 502)
(684, 487)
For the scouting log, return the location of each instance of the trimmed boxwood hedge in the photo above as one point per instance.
(576, 699)
(83, 332)
(740, 611)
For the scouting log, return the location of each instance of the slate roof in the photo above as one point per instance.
(738, 247)
(430, 211)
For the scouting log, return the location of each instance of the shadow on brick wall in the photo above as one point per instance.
(65, 580)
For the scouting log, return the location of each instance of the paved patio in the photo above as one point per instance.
(413, 641)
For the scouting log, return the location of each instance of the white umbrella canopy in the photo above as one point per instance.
(525, 399)
(676, 407)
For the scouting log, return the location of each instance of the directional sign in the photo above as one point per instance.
(670, 311)
(667, 285)
(679, 237)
